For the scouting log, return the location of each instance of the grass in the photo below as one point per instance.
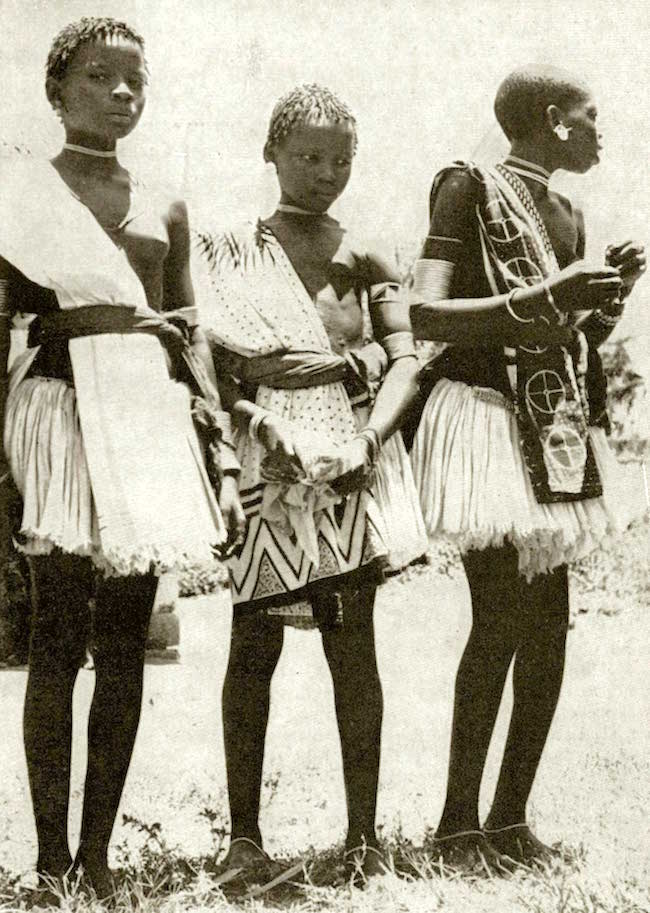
(592, 790)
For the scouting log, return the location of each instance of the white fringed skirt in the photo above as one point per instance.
(474, 486)
(45, 448)
(396, 497)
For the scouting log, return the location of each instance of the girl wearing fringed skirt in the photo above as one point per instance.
(98, 438)
(511, 458)
(326, 483)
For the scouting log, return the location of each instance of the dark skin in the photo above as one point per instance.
(514, 619)
(579, 286)
(313, 166)
(99, 99)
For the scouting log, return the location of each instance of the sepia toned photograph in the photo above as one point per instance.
(324, 499)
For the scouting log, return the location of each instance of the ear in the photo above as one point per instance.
(54, 94)
(269, 153)
(554, 116)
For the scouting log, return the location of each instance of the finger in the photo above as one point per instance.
(627, 253)
(600, 273)
(614, 249)
(608, 285)
(637, 264)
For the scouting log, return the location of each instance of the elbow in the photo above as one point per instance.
(416, 315)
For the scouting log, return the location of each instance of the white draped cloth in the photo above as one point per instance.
(254, 304)
(110, 467)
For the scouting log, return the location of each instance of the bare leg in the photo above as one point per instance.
(493, 581)
(537, 680)
(122, 613)
(62, 586)
(350, 652)
(255, 647)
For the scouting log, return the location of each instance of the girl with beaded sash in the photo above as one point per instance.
(98, 437)
(510, 457)
(326, 483)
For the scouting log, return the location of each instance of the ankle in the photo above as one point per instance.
(448, 827)
(357, 839)
(496, 822)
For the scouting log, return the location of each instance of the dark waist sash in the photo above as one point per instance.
(54, 329)
(359, 369)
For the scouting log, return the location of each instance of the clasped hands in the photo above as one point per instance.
(345, 468)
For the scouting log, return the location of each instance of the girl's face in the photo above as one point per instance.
(584, 143)
(102, 94)
(314, 164)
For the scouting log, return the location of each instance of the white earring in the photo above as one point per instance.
(562, 132)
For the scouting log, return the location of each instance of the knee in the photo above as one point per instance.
(255, 647)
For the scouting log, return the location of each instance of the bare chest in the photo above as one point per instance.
(334, 281)
(134, 221)
(562, 229)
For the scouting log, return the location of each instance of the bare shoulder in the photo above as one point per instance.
(455, 187)
(574, 212)
(374, 256)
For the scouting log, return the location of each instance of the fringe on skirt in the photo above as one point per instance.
(474, 487)
(45, 447)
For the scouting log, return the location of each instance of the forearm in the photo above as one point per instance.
(598, 326)
(396, 394)
(201, 350)
(472, 321)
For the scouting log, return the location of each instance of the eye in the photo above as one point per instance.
(98, 76)
(137, 82)
(309, 157)
(344, 163)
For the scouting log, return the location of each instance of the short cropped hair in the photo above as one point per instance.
(524, 95)
(306, 105)
(89, 29)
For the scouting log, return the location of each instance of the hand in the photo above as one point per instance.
(233, 516)
(357, 460)
(276, 435)
(584, 287)
(630, 261)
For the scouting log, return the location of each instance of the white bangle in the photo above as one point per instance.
(254, 425)
(550, 300)
(510, 310)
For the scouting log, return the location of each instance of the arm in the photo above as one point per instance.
(596, 325)
(178, 293)
(392, 327)
(468, 321)
(502, 319)
(10, 281)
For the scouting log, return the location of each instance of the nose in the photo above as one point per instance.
(122, 91)
(327, 172)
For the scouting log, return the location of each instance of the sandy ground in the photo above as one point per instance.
(593, 776)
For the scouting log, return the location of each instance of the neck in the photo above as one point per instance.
(298, 210)
(84, 158)
(534, 153)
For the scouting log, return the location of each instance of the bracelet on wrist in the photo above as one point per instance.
(374, 444)
(605, 319)
(255, 424)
